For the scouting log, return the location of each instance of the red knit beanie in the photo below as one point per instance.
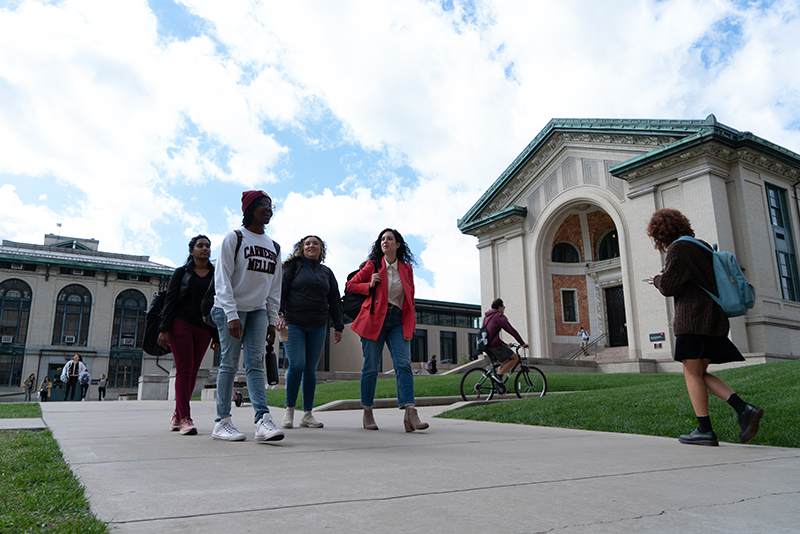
(248, 197)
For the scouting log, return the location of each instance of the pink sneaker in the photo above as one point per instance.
(187, 427)
(174, 423)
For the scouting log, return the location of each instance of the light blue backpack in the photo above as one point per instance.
(736, 296)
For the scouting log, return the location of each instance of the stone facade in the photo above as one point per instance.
(594, 184)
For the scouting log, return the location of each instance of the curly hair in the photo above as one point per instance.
(666, 225)
(403, 252)
(297, 251)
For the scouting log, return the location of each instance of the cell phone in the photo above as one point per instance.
(647, 279)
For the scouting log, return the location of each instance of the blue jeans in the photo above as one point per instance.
(400, 349)
(304, 349)
(254, 341)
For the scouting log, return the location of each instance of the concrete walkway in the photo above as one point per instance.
(458, 476)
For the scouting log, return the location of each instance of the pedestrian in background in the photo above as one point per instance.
(72, 370)
(44, 389)
(101, 388)
(29, 384)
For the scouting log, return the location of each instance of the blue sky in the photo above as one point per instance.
(140, 123)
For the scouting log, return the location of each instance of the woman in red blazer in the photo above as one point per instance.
(392, 321)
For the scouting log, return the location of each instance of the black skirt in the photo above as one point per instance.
(696, 347)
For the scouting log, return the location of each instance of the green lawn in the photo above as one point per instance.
(662, 408)
(38, 492)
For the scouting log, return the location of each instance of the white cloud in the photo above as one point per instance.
(154, 138)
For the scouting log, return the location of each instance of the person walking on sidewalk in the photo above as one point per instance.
(29, 384)
(495, 321)
(310, 295)
(72, 370)
(183, 330)
(700, 326)
(85, 380)
(247, 282)
(44, 389)
(101, 387)
(392, 323)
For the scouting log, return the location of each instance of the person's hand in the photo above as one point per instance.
(163, 339)
(524, 345)
(214, 345)
(376, 279)
(337, 337)
(235, 328)
(271, 335)
(281, 324)
(407, 338)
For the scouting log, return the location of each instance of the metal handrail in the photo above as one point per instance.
(591, 345)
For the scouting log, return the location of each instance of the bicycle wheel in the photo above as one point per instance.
(530, 382)
(476, 385)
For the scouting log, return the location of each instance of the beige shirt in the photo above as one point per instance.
(395, 287)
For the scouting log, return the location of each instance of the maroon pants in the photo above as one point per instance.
(188, 344)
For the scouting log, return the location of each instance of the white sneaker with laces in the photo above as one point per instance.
(288, 418)
(225, 430)
(310, 421)
(266, 429)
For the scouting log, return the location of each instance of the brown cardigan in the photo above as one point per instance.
(688, 265)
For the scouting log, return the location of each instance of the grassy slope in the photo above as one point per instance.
(663, 408)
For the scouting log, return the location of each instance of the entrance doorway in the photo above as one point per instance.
(57, 389)
(615, 311)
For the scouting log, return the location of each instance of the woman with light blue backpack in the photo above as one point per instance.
(700, 325)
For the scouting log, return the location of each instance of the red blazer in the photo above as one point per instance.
(369, 325)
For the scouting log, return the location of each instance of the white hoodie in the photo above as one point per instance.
(252, 280)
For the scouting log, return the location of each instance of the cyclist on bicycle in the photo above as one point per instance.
(495, 320)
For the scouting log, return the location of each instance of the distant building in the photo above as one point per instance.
(562, 232)
(65, 298)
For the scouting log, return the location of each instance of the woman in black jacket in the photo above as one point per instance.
(309, 296)
(183, 329)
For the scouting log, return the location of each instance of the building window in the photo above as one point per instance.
(15, 309)
(130, 309)
(784, 244)
(472, 339)
(566, 253)
(73, 308)
(419, 346)
(609, 246)
(447, 347)
(569, 305)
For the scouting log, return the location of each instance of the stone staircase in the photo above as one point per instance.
(608, 354)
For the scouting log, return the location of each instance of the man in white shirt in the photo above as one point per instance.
(247, 279)
(584, 335)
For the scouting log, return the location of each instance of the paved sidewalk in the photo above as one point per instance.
(458, 476)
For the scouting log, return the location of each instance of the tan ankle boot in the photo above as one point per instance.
(411, 420)
(368, 420)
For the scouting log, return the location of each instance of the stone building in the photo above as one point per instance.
(65, 298)
(562, 239)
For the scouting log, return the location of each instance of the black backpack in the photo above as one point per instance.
(352, 302)
(482, 343)
(152, 322)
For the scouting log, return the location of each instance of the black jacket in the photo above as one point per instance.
(184, 295)
(310, 294)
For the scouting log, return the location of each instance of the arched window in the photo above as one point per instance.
(15, 308)
(73, 308)
(130, 309)
(609, 246)
(566, 253)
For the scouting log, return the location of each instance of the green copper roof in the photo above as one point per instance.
(688, 133)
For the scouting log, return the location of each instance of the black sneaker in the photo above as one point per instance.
(749, 422)
(499, 385)
(695, 437)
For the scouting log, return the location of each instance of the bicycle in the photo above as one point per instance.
(482, 383)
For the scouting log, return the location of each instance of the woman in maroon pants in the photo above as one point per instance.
(183, 329)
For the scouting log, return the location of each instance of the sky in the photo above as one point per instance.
(140, 123)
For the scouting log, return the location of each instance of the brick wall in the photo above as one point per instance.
(570, 232)
(599, 224)
(578, 283)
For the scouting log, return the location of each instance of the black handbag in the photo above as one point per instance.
(152, 322)
(352, 302)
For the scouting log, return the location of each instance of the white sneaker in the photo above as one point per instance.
(288, 418)
(266, 429)
(225, 430)
(309, 421)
